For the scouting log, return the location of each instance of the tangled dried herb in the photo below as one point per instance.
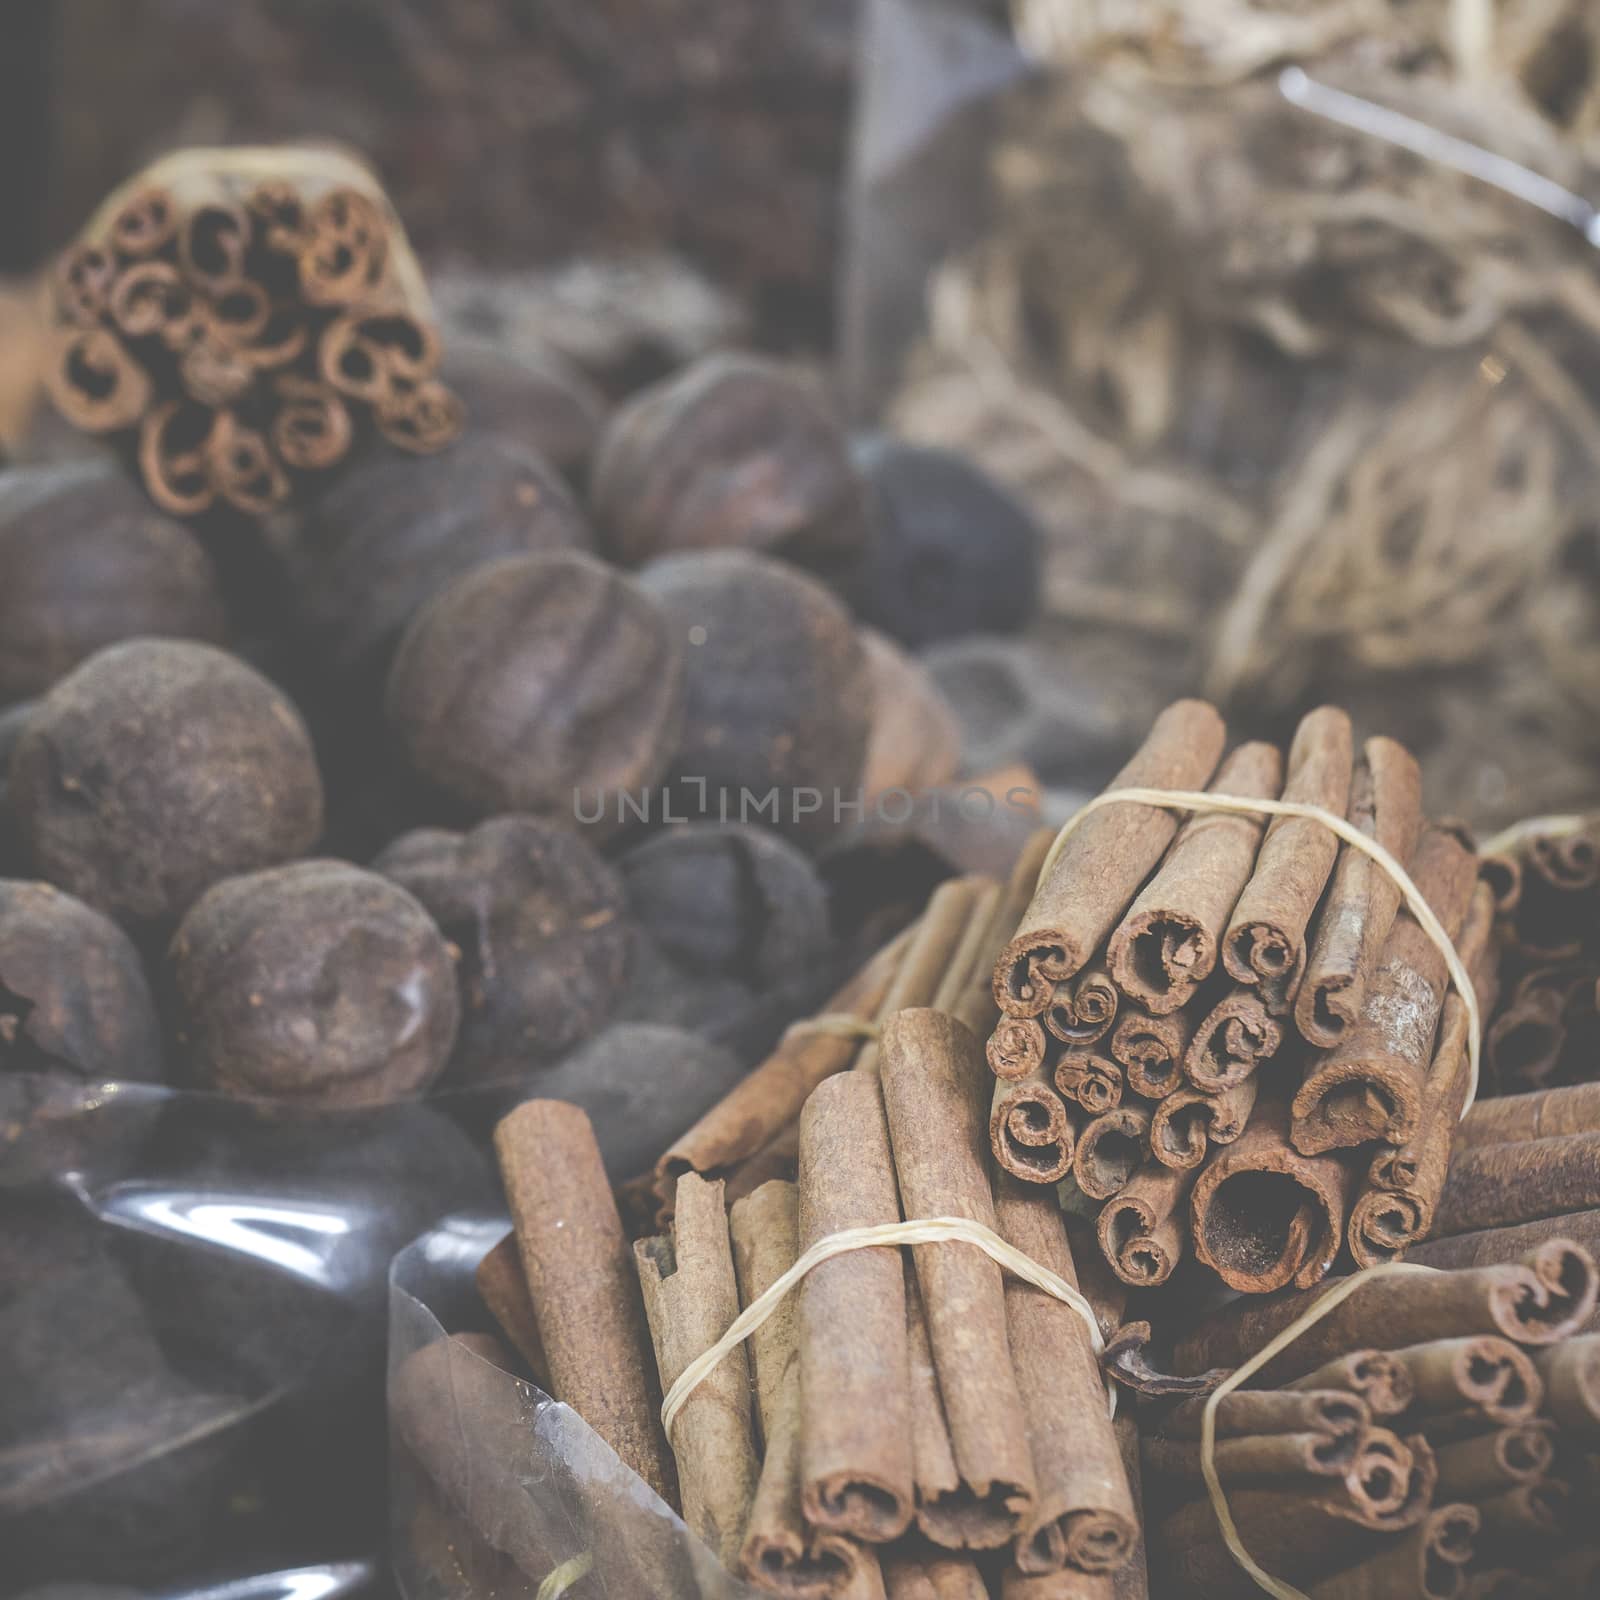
(779, 688)
(729, 900)
(394, 531)
(156, 768)
(539, 922)
(86, 561)
(732, 452)
(317, 983)
(548, 684)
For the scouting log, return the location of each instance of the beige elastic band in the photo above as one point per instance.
(1194, 801)
(926, 1230)
(840, 1024)
(562, 1578)
(1313, 1314)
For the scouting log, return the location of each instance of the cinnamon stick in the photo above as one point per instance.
(1266, 1216)
(1093, 1082)
(1150, 1050)
(1425, 1563)
(1166, 945)
(772, 1095)
(976, 1006)
(1371, 1085)
(1231, 1041)
(1083, 1514)
(932, 1575)
(1499, 1184)
(1256, 1458)
(582, 1282)
(1082, 1009)
(504, 1292)
(1571, 1374)
(690, 1298)
(1104, 862)
(931, 1077)
(1353, 925)
(1375, 1377)
(1484, 1376)
(1539, 1114)
(1184, 1125)
(1265, 941)
(1110, 1149)
(1016, 1048)
(855, 1455)
(1144, 1229)
(779, 1551)
(1497, 1246)
(1245, 1413)
(1490, 1463)
(1030, 1133)
(1537, 1301)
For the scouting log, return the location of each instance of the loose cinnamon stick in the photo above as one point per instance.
(1500, 1184)
(1185, 1124)
(1082, 1009)
(1265, 1216)
(1537, 1301)
(779, 1551)
(690, 1298)
(504, 1292)
(1498, 1246)
(855, 1456)
(1371, 1085)
(1144, 1229)
(973, 951)
(1029, 1130)
(1093, 1082)
(1265, 941)
(1347, 943)
(931, 1077)
(1490, 1463)
(1110, 1149)
(772, 1095)
(1380, 1381)
(1104, 862)
(1083, 1514)
(1231, 1041)
(1540, 1114)
(1425, 1563)
(1150, 1050)
(1571, 1374)
(1166, 946)
(582, 1282)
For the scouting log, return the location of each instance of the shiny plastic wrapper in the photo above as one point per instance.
(495, 1488)
(192, 1306)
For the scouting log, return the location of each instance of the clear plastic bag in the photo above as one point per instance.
(192, 1305)
(494, 1486)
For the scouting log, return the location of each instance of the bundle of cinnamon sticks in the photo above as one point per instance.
(233, 316)
(1230, 1033)
(1547, 887)
(1429, 1439)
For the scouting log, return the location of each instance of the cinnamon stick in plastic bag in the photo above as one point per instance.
(1265, 941)
(1102, 865)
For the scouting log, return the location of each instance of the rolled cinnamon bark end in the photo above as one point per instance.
(1166, 946)
(1346, 945)
(932, 1575)
(82, 284)
(1082, 1009)
(1384, 1224)
(1426, 1563)
(243, 467)
(1486, 1376)
(214, 373)
(147, 223)
(1185, 1124)
(1083, 1514)
(1093, 1082)
(1231, 1042)
(1110, 1149)
(312, 430)
(239, 314)
(780, 1553)
(976, 1006)
(146, 297)
(582, 1283)
(1105, 861)
(213, 243)
(1371, 1086)
(691, 1297)
(1496, 1185)
(173, 460)
(1150, 1051)
(1030, 1133)
(1375, 1377)
(1571, 1374)
(1540, 1114)
(1265, 1216)
(422, 417)
(855, 1456)
(1264, 944)
(1144, 1228)
(1016, 1048)
(1471, 1469)
(931, 1081)
(504, 1292)
(343, 249)
(96, 384)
